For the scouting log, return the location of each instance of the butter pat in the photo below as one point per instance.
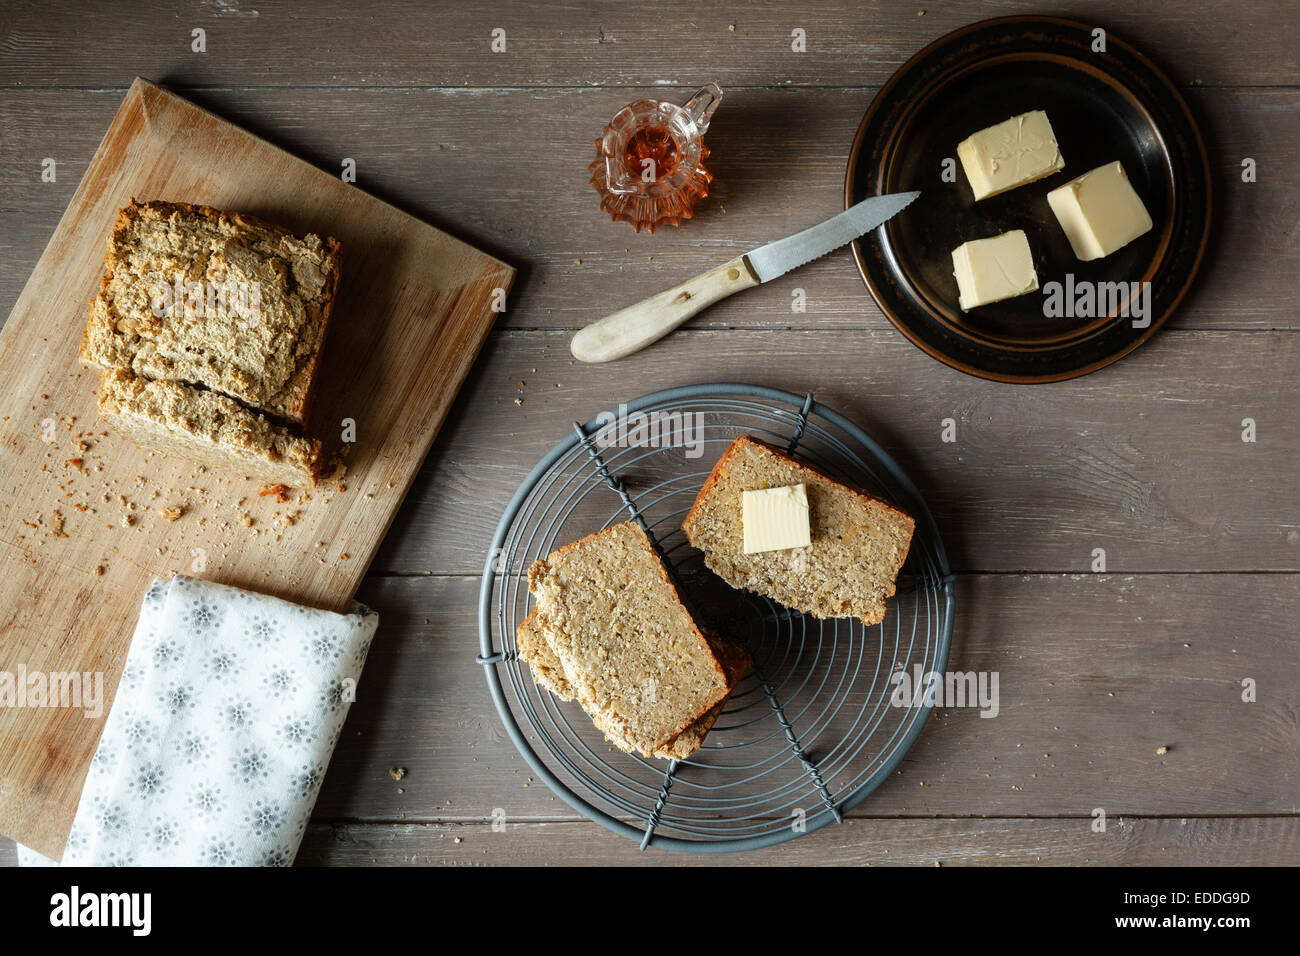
(1100, 211)
(1010, 154)
(776, 518)
(990, 270)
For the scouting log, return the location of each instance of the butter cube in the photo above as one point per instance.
(1099, 211)
(1010, 154)
(775, 519)
(990, 270)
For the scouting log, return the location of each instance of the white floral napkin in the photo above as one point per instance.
(228, 710)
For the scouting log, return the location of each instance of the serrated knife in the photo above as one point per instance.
(635, 327)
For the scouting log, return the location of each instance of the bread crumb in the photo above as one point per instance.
(97, 570)
(337, 469)
(1161, 751)
(343, 556)
(281, 493)
(397, 773)
(172, 513)
(126, 521)
(246, 519)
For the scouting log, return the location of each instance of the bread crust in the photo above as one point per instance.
(688, 523)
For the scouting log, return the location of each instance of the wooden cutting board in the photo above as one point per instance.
(81, 534)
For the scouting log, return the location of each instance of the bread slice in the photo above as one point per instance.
(859, 543)
(627, 646)
(548, 673)
(187, 422)
(259, 341)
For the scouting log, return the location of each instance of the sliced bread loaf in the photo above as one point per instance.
(186, 422)
(858, 543)
(628, 647)
(218, 299)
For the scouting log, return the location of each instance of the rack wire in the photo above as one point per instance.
(815, 726)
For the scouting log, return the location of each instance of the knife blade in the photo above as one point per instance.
(649, 320)
(777, 258)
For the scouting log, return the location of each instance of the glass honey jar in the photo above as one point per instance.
(649, 165)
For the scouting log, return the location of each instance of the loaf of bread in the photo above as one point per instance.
(548, 673)
(858, 543)
(628, 649)
(218, 299)
(188, 422)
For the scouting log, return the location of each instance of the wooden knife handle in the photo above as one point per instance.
(635, 327)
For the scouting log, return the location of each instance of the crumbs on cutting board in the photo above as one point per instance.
(195, 513)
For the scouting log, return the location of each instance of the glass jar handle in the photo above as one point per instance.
(617, 179)
(703, 104)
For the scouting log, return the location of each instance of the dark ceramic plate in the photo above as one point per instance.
(1103, 107)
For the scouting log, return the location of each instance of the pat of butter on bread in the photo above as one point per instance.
(776, 519)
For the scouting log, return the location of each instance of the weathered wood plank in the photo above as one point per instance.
(410, 43)
(1152, 661)
(454, 158)
(1144, 459)
(1128, 841)
(1096, 672)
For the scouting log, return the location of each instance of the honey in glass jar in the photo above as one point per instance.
(649, 165)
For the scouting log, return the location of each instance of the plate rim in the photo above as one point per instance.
(1200, 151)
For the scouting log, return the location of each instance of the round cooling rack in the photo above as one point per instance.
(814, 727)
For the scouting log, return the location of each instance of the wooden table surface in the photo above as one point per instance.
(1144, 459)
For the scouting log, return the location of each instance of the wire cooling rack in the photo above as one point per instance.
(815, 726)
